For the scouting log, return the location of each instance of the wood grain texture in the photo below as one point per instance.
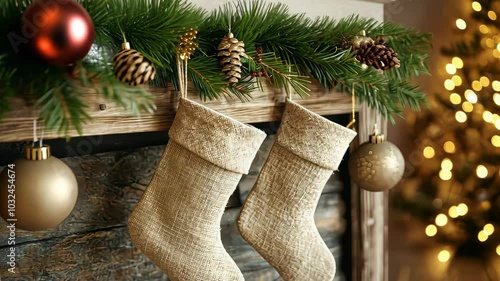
(265, 106)
(108, 254)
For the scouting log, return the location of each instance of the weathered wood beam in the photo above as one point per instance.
(265, 106)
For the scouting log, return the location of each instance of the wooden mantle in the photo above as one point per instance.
(266, 106)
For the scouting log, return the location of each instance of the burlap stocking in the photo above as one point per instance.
(277, 218)
(176, 224)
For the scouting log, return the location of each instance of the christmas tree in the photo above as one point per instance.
(458, 178)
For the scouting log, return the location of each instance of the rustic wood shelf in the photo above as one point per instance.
(266, 106)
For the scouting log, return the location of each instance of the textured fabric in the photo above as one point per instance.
(214, 137)
(277, 218)
(176, 224)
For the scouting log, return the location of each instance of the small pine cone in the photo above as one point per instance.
(230, 52)
(187, 46)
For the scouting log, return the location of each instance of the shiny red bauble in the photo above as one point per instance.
(60, 32)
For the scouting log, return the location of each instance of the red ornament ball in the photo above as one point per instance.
(60, 32)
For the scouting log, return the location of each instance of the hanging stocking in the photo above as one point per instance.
(277, 218)
(176, 224)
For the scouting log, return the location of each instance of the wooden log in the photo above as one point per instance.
(265, 106)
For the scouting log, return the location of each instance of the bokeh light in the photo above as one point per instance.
(482, 236)
(457, 62)
(495, 141)
(452, 212)
(489, 229)
(461, 117)
(449, 147)
(461, 24)
(451, 69)
(462, 209)
(476, 6)
(429, 152)
(431, 230)
(445, 175)
(467, 106)
(455, 98)
(481, 171)
(441, 220)
(444, 256)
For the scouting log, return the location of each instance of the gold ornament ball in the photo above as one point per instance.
(376, 166)
(45, 190)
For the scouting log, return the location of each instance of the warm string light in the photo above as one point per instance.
(498, 250)
(455, 98)
(444, 256)
(461, 24)
(476, 6)
(431, 230)
(429, 152)
(462, 209)
(492, 15)
(461, 117)
(449, 147)
(495, 141)
(496, 99)
(481, 171)
(441, 220)
(452, 212)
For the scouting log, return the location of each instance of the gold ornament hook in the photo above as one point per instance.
(353, 121)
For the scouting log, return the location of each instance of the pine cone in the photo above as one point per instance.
(230, 52)
(187, 46)
(377, 54)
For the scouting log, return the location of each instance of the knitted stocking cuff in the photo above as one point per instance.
(219, 139)
(313, 137)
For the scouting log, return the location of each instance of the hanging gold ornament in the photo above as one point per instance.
(187, 46)
(131, 67)
(376, 165)
(38, 191)
(230, 52)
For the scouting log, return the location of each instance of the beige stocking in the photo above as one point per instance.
(277, 218)
(176, 224)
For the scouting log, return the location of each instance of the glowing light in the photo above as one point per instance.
(487, 116)
(497, 124)
(449, 85)
(444, 256)
(445, 175)
(476, 85)
(496, 53)
(457, 62)
(457, 80)
(461, 117)
(496, 98)
(467, 106)
(429, 152)
(484, 29)
(492, 15)
(431, 230)
(485, 81)
(446, 164)
(461, 24)
(498, 250)
(455, 98)
(462, 209)
(486, 205)
(496, 85)
(489, 229)
(471, 96)
(495, 141)
(476, 6)
(482, 236)
(441, 220)
(451, 69)
(452, 212)
(481, 171)
(449, 147)
(490, 43)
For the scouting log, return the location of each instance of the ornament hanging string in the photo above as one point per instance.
(353, 121)
(289, 94)
(35, 137)
(182, 70)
